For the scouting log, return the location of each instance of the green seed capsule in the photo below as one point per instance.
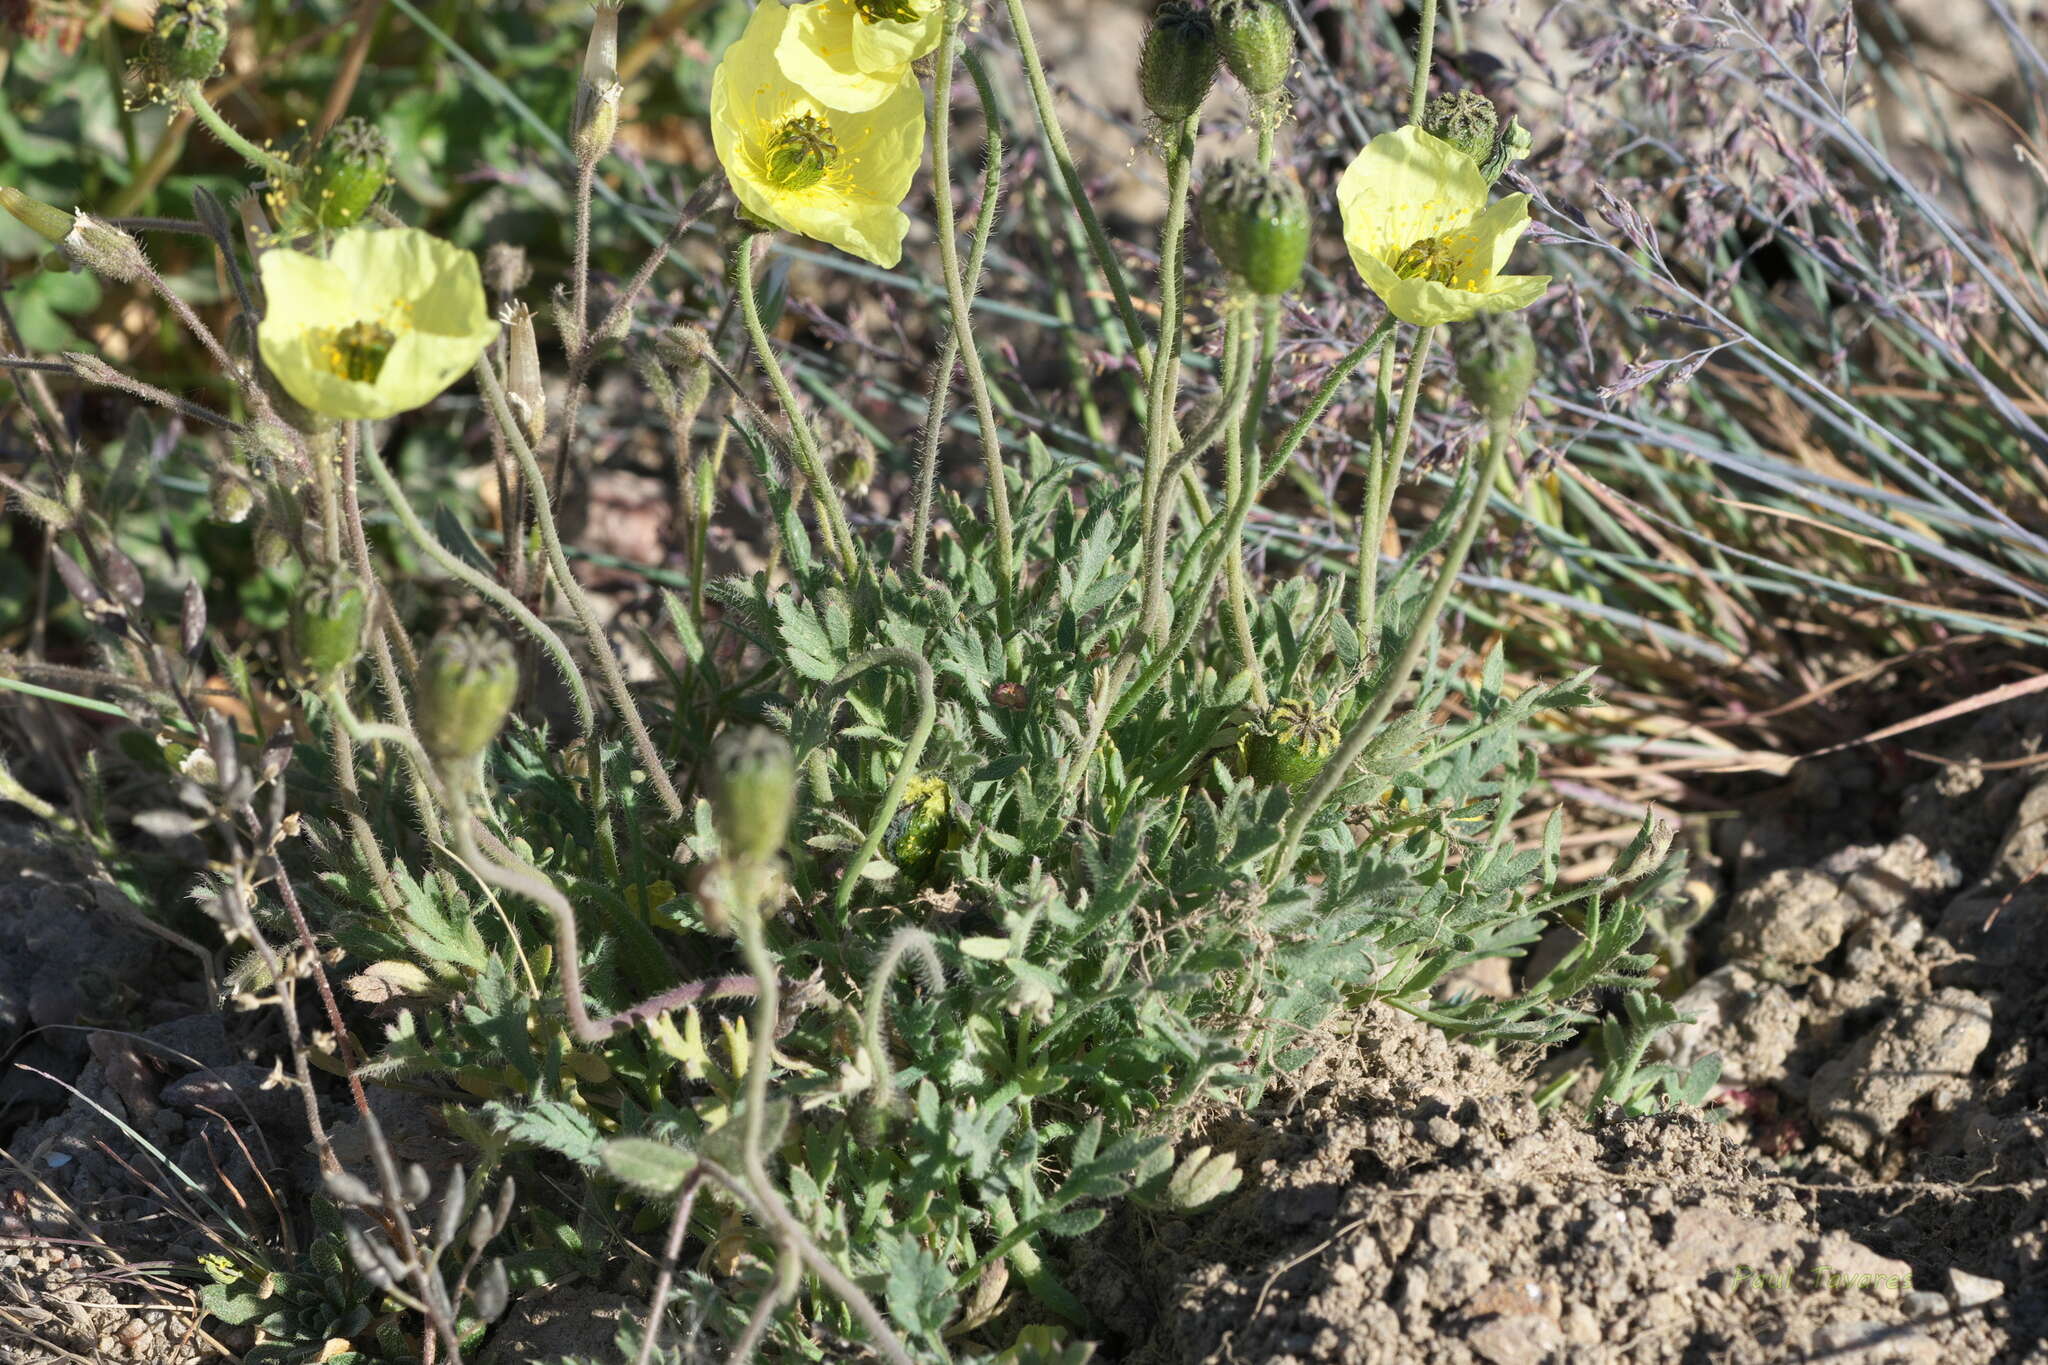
(347, 174)
(1292, 745)
(753, 793)
(1257, 223)
(1178, 63)
(1496, 357)
(1257, 44)
(468, 678)
(1464, 118)
(53, 225)
(327, 622)
(187, 41)
(229, 496)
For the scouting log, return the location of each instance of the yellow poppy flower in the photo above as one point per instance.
(852, 54)
(1423, 236)
(388, 320)
(796, 162)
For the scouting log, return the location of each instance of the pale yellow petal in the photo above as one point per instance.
(817, 47)
(885, 45)
(1406, 186)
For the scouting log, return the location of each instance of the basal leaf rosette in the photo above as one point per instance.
(1423, 236)
(853, 54)
(804, 166)
(387, 321)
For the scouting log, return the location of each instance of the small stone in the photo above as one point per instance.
(1515, 1341)
(1971, 1291)
(1923, 1303)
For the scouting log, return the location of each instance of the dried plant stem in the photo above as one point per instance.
(671, 1252)
(804, 442)
(1077, 194)
(962, 339)
(1395, 679)
(913, 749)
(271, 164)
(579, 601)
(1165, 383)
(984, 223)
(342, 754)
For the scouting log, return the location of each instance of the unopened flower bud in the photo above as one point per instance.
(230, 496)
(529, 397)
(1510, 145)
(506, 268)
(347, 173)
(104, 249)
(753, 793)
(468, 678)
(596, 118)
(1178, 64)
(1256, 220)
(327, 622)
(187, 41)
(852, 466)
(1257, 43)
(53, 225)
(270, 547)
(1496, 357)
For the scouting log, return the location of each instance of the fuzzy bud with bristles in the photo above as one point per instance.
(1257, 43)
(53, 225)
(327, 619)
(523, 384)
(229, 496)
(468, 678)
(1464, 118)
(1496, 355)
(506, 269)
(1178, 63)
(753, 794)
(104, 249)
(346, 175)
(186, 41)
(1256, 220)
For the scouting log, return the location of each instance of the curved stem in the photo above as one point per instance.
(831, 516)
(1396, 678)
(579, 601)
(194, 95)
(913, 749)
(341, 752)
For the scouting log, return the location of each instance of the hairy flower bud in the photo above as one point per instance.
(104, 249)
(1292, 744)
(529, 397)
(1178, 63)
(1257, 222)
(347, 173)
(1257, 43)
(53, 225)
(1464, 118)
(922, 828)
(468, 678)
(753, 793)
(187, 41)
(327, 619)
(1510, 145)
(1496, 364)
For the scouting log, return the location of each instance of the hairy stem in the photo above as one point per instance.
(1159, 408)
(271, 164)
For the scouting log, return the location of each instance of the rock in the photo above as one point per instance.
(1515, 1340)
(235, 1092)
(1875, 1343)
(1752, 1024)
(1922, 1303)
(1859, 1098)
(1795, 916)
(559, 1320)
(1971, 1291)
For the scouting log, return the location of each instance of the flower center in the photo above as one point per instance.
(892, 11)
(800, 152)
(1429, 259)
(358, 351)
